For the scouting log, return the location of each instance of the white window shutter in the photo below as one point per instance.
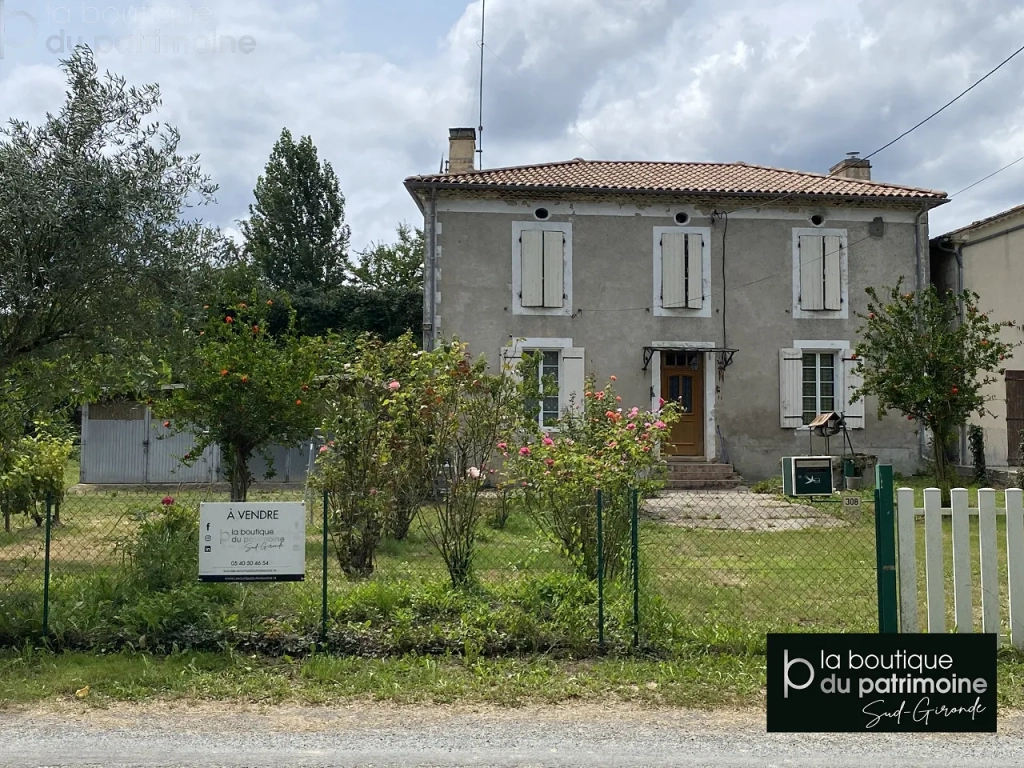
(852, 379)
(573, 376)
(811, 272)
(532, 268)
(694, 271)
(833, 258)
(673, 270)
(791, 412)
(554, 264)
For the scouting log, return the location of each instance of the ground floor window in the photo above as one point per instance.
(819, 384)
(548, 382)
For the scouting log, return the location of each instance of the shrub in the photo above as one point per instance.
(600, 446)
(32, 470)
(165, 553)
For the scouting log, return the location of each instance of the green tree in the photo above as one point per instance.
(244, 388)
(296, 231)
(929, 355)
(395, 266)
(93, 243)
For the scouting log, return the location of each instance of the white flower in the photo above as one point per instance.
(473, 472)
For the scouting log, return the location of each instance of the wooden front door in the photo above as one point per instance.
(682, 382)
(1014, 415)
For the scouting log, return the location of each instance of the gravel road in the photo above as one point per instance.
(215, 736)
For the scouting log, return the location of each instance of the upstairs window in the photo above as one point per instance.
(820, 273)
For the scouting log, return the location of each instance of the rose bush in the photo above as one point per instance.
(599, 445)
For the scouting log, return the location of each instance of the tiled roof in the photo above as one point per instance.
(670, 178)
(982, 222)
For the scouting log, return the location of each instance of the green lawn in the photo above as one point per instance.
(698, 680)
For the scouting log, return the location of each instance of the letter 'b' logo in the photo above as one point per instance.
(786, 682)
(17, 29)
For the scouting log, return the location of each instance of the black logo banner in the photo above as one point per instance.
(848, 683)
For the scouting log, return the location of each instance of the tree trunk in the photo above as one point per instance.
(239, 475)
(943, 473)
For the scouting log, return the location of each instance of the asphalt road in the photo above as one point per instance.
(371, 735)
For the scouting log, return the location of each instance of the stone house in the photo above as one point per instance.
(987, 257)
(731, 288)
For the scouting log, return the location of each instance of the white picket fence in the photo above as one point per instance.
(935, 595)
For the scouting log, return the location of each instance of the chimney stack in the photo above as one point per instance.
(461, 150)
(852, 167)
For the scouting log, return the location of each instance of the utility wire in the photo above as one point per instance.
(971, 186)
(947, 104)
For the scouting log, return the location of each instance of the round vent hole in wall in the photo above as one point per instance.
(541, 213)
(817, 219)
(682, 218)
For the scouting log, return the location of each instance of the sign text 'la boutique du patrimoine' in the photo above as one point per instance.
(868, 683)
(252, 542)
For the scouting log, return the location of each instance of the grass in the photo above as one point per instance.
(696, 681)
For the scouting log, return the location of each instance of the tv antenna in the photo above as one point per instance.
(480, 122)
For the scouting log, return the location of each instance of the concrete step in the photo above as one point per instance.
(704, 470)
(703, 484)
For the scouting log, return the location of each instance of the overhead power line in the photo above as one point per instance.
(947, 104)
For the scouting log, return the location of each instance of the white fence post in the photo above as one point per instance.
(1015, 564)
(934, 586)
(907, 562)
(962, 607)
(989, 562)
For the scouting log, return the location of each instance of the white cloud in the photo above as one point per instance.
(794, 84)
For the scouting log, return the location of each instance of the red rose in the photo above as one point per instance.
(229, 319)
(167, 424)
(298, 402)
(871, 316)
(955, 390)
(224, 372)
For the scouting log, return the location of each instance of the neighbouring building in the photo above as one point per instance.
(731, 288)
(987, 257)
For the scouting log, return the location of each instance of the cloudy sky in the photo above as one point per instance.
(791, 83)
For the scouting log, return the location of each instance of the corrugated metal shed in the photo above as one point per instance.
(122, 443)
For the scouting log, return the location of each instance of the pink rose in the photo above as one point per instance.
(611, 443)
(324, 449)
(373, 491)
(631, 426)
(502, 446)
(633, 412)
(524, 451)
(549, 462)
(394, 385)
(473, 472)
(548, 441)
(167, 501)
(659, 424)
(661, 401)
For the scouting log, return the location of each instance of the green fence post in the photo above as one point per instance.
(323, 604)
(885, 550)
(600, 570)
(46, 569)
(635, 558)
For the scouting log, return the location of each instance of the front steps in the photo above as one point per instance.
(689, 475)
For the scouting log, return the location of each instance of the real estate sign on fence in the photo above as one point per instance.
(263, 541)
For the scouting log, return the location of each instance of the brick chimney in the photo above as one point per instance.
(852, 167)
(461, 150)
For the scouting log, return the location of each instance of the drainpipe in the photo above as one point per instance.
(919, 281)
(430, 275)
(958, 254)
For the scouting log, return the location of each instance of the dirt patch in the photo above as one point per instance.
(736, 511)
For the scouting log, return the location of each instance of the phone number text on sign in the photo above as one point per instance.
(231, 534)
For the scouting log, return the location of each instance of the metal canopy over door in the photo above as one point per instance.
(682, 382)
(1014, 415)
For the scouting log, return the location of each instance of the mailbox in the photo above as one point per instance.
(807, 476)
